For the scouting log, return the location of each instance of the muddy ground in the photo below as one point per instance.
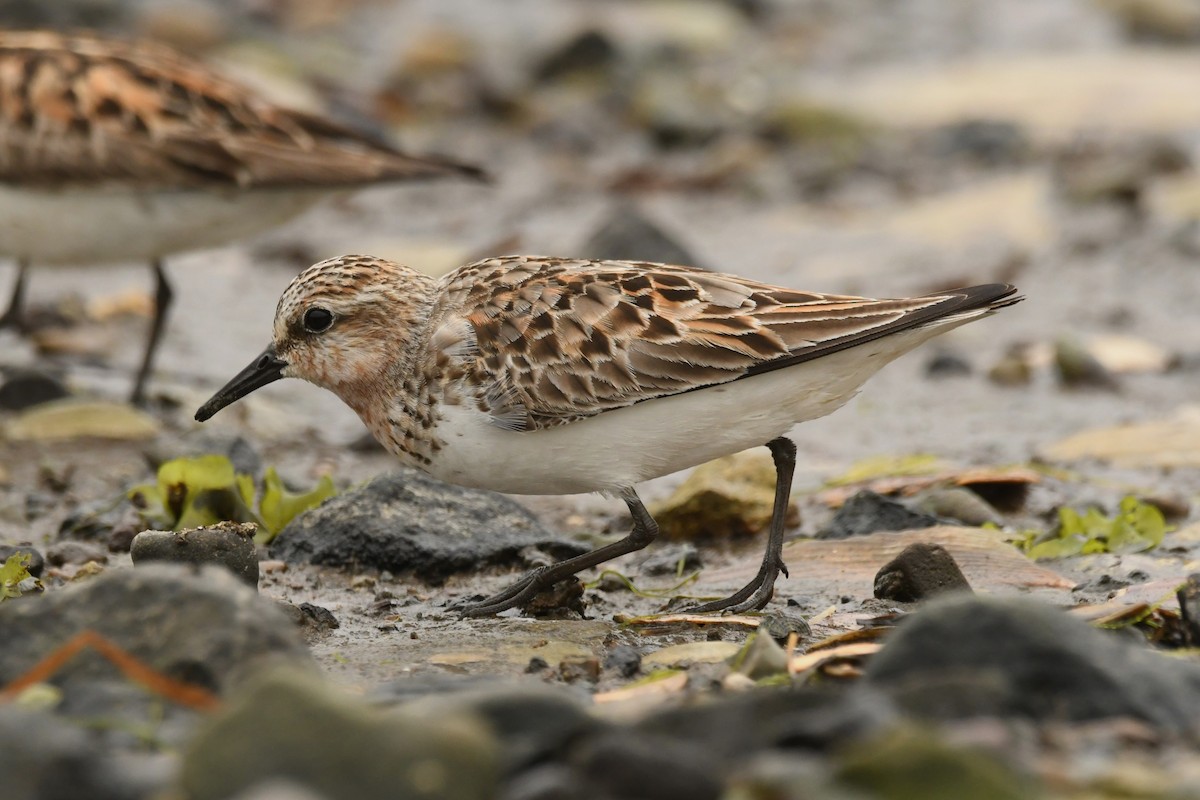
(1051, 144)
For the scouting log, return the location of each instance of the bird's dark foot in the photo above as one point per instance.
(538, 594)
(520, 592)
(754, 596)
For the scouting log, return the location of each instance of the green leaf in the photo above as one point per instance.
(13, 572)
(1136, 526)
(194, 492)
(279, 506)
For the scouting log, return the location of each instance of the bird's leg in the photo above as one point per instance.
(757, 593)
(14, 317)
(162, 301)
(645, 529)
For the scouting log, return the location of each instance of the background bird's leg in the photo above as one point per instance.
(14, 316)
(645, 529)
(757, 593)
(162, 301)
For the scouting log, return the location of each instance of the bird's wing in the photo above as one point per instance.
(77, 108)
(554, 340)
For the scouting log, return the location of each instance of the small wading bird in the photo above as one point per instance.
(533, 375)
(112, 151)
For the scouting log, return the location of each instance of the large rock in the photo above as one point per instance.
(225, 544)
(43, 757)
(967, 656)
(408, 521)
(291, 726)
(202, 626)
(868, 512)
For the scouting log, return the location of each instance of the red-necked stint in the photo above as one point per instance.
(534, 375)
(115, 151)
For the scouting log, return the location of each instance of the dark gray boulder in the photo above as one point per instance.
(964, 656)
(409, 522)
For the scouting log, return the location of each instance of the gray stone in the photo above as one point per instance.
(25, 388)
(43, 757)
(36, 561)
(203, 626)
(628, 234)
(226, 544)
(920, 571)
(285, 725)
(75, 552)
(868, 512)
(962, 657)
(409, 522)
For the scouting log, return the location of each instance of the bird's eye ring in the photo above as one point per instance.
(318, 320)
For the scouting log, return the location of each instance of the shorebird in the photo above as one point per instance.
(533, 375)
(113, 151)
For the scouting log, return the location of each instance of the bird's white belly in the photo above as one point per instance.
(621, 448)
(106, 224)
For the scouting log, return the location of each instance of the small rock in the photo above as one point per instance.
(589, 53)
(361, 752)
(537, 724)
(957, 503)
(920, 571)
(201, 625)
(868, 512)
(1174, 507)
(760, 657)
(536, 664)
(914, 763)
(226, 544)
(969, 656)
(74, 552)
(672, 560)
(319, 617)
(985, 141)
(625, 660)
(579, 668)
(25, 388)
(629, 764)
(794, 720)
(1011, 370)
(36, 561)
(730, 497)
(563, 600)
(779, 625)
(43, 756)
(1188, 596)
(312, 620)
(1166, 21)
(101, 521)
(1079, 369)
(409, 522)
(628, 234)
(947, 365)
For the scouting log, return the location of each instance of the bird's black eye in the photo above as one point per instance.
(317, 319)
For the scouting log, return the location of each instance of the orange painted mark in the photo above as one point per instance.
(185, 694)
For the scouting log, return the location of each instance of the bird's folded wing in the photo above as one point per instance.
(555, 340)
(84, 109)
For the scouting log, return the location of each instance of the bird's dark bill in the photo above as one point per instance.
(265, 369)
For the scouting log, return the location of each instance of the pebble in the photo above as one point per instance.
(919, 572)
(226, 544)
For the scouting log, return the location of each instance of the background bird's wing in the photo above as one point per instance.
(87, 109)
(556, 340)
